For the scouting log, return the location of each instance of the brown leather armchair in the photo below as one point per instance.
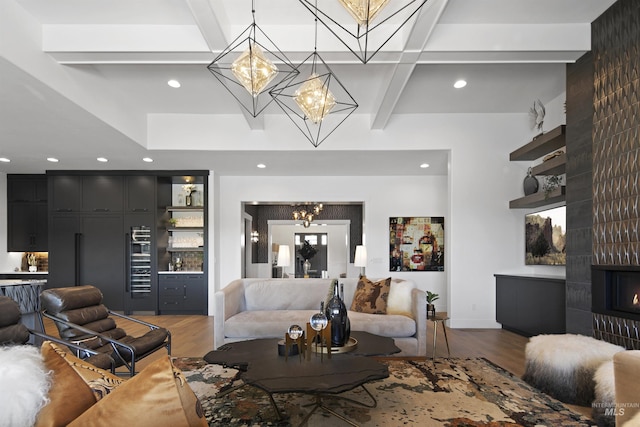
(83, 320)
(12, 332)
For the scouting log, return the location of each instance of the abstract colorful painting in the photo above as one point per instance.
(416, 243)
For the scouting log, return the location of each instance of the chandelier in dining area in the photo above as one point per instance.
(306, 213)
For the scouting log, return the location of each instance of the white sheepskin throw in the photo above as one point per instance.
(24, 385)
(605, 395)
(563, 365)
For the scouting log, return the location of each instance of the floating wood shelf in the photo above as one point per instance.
(541, 145)
(538, 199)
(555, 166)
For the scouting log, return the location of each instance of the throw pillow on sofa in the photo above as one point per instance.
(371, 297)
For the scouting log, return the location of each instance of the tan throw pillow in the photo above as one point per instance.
(69, 395)
(371, 297)
(158, 396)
(100, 382)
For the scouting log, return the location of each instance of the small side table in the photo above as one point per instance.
(439, 319)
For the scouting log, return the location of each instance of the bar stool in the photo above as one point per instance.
(439, 318)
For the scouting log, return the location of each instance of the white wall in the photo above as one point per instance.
(482, 235)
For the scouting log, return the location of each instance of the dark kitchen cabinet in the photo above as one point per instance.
(27, 229)
(27, 213)
(65, 193)
(141, 193)
(27, 188)
(89, 250)
(102, 193)
(182, 294)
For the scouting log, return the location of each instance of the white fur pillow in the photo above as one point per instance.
(399, 301)
(24, 385)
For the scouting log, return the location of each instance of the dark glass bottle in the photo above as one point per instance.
(336, 312)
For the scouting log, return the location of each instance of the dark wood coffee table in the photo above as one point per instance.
(320, 377)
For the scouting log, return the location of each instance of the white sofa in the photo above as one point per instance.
(265, 308)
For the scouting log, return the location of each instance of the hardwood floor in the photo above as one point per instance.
(192, 336)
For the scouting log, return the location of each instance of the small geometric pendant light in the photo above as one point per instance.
(365, 26)
(252, 74)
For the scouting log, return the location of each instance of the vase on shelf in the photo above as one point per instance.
(306, 266)
(336, 312)
(530, 184)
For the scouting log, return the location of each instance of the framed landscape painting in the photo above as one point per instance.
(545, 237)
(416, 243)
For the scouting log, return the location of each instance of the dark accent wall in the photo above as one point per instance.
(616, 144)
(579, 195)
(603, 117)
(263, 213)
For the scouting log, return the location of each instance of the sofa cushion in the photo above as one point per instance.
(286, 294)
(371, 297)
(266, 323)
(387, 325)
(275, 323)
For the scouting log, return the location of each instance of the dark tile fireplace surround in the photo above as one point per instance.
(615, 294)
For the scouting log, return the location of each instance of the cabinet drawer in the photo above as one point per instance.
(172, 290)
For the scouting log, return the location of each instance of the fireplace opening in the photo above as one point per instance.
(626, 292)
(615, 291)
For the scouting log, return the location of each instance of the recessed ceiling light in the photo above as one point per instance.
(261, 165)
(147, 159)
(174, 83)
(52, 160)
(102, 159)
(460, 84)
(424, 165)
(4, 160)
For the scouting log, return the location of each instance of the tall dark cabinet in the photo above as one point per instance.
(91, 222)
(109, 229)
(27, 213)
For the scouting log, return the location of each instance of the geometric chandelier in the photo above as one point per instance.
(315, 100)
(365, 26)
(250, 67)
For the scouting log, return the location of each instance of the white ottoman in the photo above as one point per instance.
(563, 365)
(603, 407)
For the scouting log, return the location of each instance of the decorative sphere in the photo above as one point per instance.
(318, 321)
(295, 332)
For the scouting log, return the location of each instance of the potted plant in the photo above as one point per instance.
(431, 308)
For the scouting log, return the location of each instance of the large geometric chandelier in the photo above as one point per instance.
(315, 100)
(365, 26)
(306, 213)
(252, 74)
